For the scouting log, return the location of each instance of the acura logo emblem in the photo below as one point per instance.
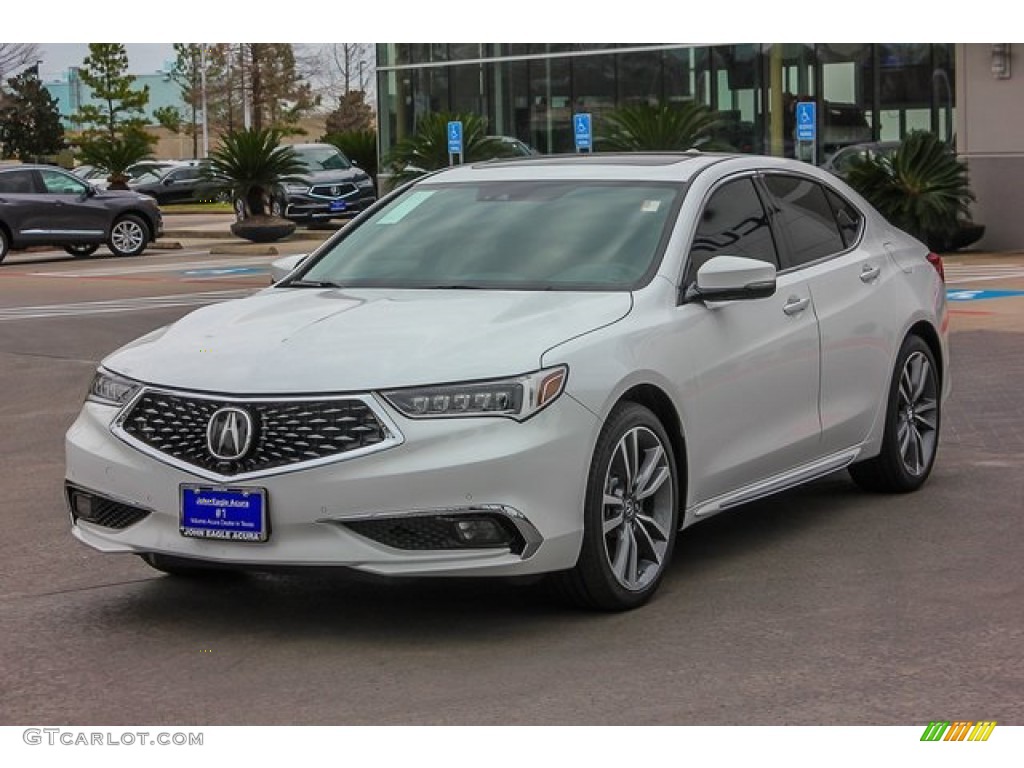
(229, 434)
(335, 191)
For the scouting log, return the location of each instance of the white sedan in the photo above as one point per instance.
(540, 365)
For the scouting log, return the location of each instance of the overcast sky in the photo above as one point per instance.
(143, 58)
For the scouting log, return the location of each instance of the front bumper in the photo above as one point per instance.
(306, 207)
(530, 475)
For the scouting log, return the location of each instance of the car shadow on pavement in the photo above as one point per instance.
(345, 603)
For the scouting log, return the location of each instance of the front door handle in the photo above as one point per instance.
(869, 272)
(795, 305)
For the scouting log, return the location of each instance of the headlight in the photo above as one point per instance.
(109, 389)
(296, 187)
(516, 398)
(364, 183)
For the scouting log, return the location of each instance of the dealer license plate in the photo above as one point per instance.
(338, 205)
(229, 514)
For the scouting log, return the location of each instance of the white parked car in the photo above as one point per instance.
(541, 365)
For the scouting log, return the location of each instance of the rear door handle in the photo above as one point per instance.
(795, 305)
(869, 272)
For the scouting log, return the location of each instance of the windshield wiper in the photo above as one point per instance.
(314, 284)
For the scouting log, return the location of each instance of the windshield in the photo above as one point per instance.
(322, 158)
(519, 235)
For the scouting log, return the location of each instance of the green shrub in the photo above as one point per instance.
(359, 146)
(921, 187)
(665, 127)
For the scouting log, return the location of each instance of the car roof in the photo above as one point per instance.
(644, 166)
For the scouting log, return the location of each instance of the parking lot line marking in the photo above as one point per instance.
(150, 268)
(121, 305)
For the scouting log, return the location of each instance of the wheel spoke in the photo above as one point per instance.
(652, 473)
(926, 414)
(653, 528)
(632, 563)
(646, 543)
(621, 560)
(611, 500)
(611, 523)
(922, 376)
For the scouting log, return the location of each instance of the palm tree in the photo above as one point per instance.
(115, 155)
(664, 127)
(427, 149)
(249, 164)
(921, 187)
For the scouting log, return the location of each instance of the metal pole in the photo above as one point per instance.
(202, 87)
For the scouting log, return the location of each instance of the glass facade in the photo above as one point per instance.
(864, 91)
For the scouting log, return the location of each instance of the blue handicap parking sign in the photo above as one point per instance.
(455, 137)
(806, 121)
(581, 129)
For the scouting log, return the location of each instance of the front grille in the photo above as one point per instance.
(334, 190)
(284, 432)
(100, 510)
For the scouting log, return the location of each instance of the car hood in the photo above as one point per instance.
(331, 176)
(330, 340)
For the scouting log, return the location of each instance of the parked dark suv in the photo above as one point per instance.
(42, 205)
(332, 187)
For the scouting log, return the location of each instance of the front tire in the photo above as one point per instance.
(129, 236)
(631, 514)
(5, 244)
(912, 421)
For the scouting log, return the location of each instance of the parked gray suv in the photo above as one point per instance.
(43, 205)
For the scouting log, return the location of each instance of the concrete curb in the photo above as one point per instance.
(218, 234)
(243, 249)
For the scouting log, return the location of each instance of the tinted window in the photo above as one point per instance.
(57, 183)
(17, 182)
(733, 223)
(848, 218)
(806, 218)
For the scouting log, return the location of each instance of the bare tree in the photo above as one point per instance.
(338, 69)
(14, 56)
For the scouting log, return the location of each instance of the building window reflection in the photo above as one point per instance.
(863, 91)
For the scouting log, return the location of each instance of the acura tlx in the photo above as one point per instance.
(546, 365)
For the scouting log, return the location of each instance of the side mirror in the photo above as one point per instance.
(732, 278)
(284, 266)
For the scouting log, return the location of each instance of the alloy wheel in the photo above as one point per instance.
(637, 508)
(917, 419)
(127, 236)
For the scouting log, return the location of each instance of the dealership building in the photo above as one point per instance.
(967, 93)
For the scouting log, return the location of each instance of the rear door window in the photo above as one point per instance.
(805, 219)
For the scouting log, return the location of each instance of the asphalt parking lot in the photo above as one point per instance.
(820, 606)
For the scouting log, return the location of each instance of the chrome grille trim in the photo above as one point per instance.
(297, 425)
(345, 189)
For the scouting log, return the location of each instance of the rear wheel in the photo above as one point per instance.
(79, 250)
(129, 236)
(630, 515)
(5, 244)
(912, 422)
